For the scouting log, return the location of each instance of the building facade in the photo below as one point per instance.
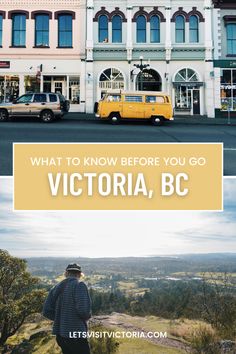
(42, 50)
(224, 17)
(173, 37)
(83, 48)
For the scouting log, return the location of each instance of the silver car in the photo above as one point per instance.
(46, 106)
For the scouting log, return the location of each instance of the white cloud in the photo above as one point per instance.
(105, 234)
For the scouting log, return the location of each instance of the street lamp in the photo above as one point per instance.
(141, 67)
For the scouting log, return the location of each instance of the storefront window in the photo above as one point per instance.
(228, 90)
(9, 88)
(74, 90)
(32, 84)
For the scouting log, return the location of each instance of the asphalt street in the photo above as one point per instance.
(80, 128)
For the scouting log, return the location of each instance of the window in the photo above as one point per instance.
(231, 39)
(65, 31)
(9, 88)
(111, 79)
(155, 29)
(228, 89)
(40, 97)
(42, 30)
(193, 29)
(186, 75)
(141, 29)
(103, 29)
(52, 98)
(113, 98)
(25, 98)
(155, 99)
(18, 30)
(133, 99)
(1, 19)
(180, 29)
(116, 29)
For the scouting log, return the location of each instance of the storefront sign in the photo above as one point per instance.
(225, 63)
(228, 87)
(188, 84)
(4, 64)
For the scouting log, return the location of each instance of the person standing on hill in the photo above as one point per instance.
(68, 304)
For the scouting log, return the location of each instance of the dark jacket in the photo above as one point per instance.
(68, 304)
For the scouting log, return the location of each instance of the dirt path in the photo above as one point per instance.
(124, 323)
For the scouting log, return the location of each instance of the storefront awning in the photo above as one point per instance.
(188, 84)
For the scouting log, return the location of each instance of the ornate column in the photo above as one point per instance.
(88, 76)
(209, 68)
(168, 47)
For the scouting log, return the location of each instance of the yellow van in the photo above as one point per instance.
(154, 106)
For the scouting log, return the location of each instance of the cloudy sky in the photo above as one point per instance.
(116, 234)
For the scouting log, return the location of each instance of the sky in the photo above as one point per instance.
(116, 233)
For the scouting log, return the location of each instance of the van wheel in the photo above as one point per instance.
(47, 116)
(115, 118)
(157, 121)
(3, 115)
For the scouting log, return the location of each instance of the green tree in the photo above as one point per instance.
(219, 304)
(19, 296)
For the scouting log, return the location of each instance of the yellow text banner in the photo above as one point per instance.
(118, 176)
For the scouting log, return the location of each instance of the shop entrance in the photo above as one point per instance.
(58, 84)
(187, 99)
(187, 92)
(59, 87)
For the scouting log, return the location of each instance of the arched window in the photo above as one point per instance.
(41, 30)
(141, 29)
(231, 39)
(148, 80)
(18, 29)
(193, 29)
(65, 30)
(103, 29)
(111, 79)
(179, 29)
(155, 29)
(116, 29)
(186, 75)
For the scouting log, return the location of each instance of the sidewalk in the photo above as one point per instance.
(188, 120)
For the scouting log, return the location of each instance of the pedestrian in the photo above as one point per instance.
(68, 304)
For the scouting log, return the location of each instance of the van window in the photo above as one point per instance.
(113, 98)
(155, 99)
(133, 99)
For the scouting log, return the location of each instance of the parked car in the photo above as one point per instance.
(46, 106)
(154, 106)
